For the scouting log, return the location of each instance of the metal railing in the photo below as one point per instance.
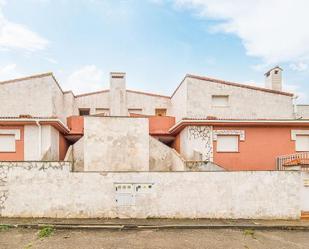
(298, 158)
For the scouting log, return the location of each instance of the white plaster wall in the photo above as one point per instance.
(163, 158)
(196, 139)
(179, 102)
(49, 143)
(33, 97)
(92, 101)
(303, 111)
(243, 102)
(116, 144)
(147, 103)
(57, 192)
(305, 191)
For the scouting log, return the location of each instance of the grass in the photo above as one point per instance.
(249, 232)
(29, 246)
(46, 232)
(4, 227)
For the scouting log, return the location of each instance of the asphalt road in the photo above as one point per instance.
(175, 239)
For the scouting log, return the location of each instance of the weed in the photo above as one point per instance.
(46, 232)
(249, 232)
(29, 246)
(4, 227)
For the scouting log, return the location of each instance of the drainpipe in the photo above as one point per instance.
(40, 139)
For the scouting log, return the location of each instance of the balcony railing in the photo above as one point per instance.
(293, 160)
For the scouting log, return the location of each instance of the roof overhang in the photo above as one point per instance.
(253, 122)
(56, 123)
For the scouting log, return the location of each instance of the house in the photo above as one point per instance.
(206, 124)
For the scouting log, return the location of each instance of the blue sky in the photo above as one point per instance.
(156, 42)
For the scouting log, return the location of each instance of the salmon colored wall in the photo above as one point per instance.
(63, 146)
(176, 143)
(160, 124)
(18, 155)
(76, 124)
(259, 150)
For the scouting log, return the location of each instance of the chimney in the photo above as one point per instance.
(273, 79)
(118, 94)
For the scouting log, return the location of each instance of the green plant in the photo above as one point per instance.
(4, 227)
(29, 246)
(46, 232)
(249, 232)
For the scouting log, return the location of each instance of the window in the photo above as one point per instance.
(7, 143)
(102, 111)
(302, 143)
(227, 143)
(160, 112)
(220, 100)
(84, 111)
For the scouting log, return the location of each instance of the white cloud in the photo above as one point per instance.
(8, 72)
(18, 36)
(274, 30)
(300, 66)
(86, 79)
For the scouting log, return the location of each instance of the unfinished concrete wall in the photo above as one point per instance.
(303, 111)
(305, 191)
(242, 102)
(179, 101)
(163, 158)
(116, 144)
(53, 191)
(78, 155)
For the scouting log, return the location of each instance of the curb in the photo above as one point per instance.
(156, 227)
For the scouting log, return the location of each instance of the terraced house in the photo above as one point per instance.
(206, 124)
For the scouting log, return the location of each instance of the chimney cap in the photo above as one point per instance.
(117, 74)
(276, 67)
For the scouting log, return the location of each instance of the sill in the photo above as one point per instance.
(227, 152)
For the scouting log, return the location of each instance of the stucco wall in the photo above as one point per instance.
(33, 97)
(116, 144)
(148, 103)
(303, 111)
(53, 191)
(305, 191)
(49, 143)
(163, 158)
(243, 102)
(179, 102)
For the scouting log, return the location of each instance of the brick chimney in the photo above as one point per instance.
(118, 94)
(273, 79)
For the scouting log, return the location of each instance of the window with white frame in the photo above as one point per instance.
(302, 143)
(7, 143)
(220, 100)
(227, 143)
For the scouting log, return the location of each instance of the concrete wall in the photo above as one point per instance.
(163, 158)
(51, 190)
(49, 143)
(305, 191)
(78, 155)
(243, 102)
(179, 102)
(303, 111)
(116, 144)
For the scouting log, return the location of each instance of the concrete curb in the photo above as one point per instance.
(157, 227)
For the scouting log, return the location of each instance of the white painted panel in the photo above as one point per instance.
(227, 143)
(7, 143)
(302, 143)
(220, 100)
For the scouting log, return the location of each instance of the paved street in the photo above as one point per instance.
(164, 239)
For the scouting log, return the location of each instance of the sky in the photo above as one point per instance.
(156, 42)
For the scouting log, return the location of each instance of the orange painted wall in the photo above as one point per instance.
(76, 124)
(176, 143)
(259, 150)
(18, 155)
(63, 146)
(160, 124)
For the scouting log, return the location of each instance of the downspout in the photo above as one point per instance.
(40, 140)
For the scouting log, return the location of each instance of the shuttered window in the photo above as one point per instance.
(7, 143)
(302, 142)
(227, 143)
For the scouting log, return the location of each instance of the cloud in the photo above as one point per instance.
(18, 36)
(86, 79)
(273, 30)
(9, 71)
(300, 66)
